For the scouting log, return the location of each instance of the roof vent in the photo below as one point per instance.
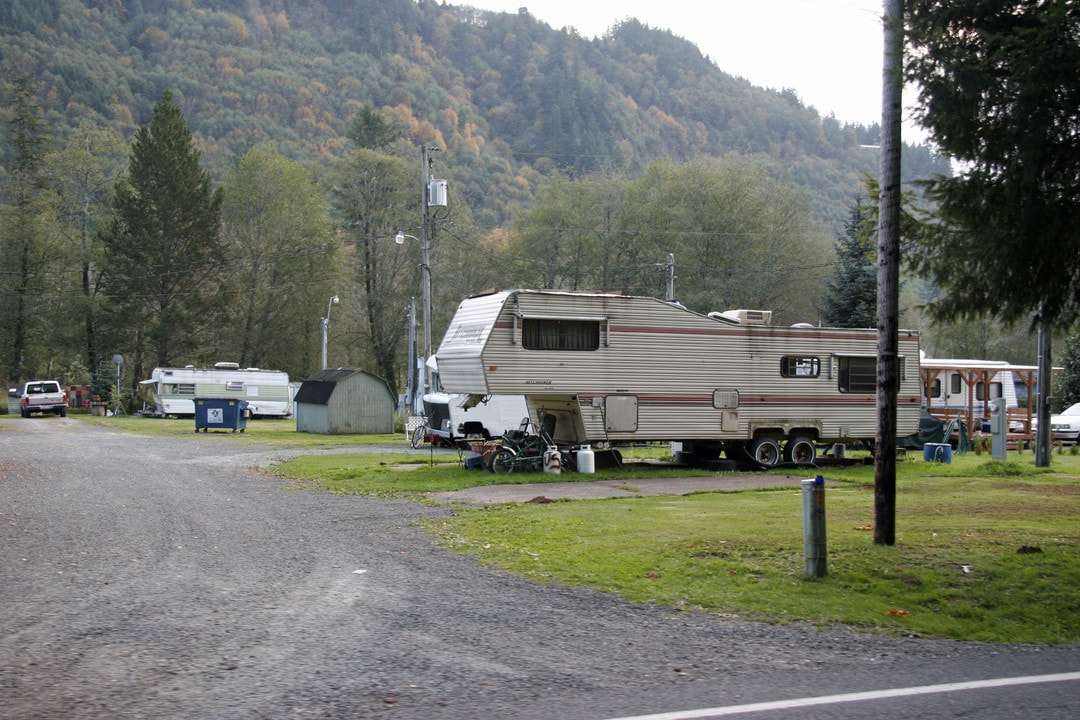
(744, 317)
(226, 366)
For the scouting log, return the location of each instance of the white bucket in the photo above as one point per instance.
(552, 460)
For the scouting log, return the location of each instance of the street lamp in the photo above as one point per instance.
(118, 360)
(426, 277)
(326, 327)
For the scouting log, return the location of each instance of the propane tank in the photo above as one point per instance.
(586, 460)
(552, 460)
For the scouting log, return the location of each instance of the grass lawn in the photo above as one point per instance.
(985, 550)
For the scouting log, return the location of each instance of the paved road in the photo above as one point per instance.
(170, 578)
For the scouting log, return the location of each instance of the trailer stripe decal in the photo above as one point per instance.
(757, 399)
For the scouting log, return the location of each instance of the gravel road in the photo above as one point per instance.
(162, 578)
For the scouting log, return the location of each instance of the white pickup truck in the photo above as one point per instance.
(42, 396)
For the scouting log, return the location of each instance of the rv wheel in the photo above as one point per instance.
(800, 451)
(765, 451)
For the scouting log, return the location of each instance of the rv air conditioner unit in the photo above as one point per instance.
(744, 317)
(437, 193)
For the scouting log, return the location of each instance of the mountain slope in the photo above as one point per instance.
(506, 96)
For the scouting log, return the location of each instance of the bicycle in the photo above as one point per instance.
(417, 430)
(521, 451)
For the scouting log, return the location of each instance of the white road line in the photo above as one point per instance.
(855, 697)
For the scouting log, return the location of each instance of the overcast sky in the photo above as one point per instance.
(828, 51)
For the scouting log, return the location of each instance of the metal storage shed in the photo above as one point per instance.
(344, 401)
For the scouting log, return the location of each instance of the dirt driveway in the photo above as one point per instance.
(596, 489)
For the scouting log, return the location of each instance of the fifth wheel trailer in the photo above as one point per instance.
(453, 417)
(610, 369)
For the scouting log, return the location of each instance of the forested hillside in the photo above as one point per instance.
(580, 163)
(506, 96)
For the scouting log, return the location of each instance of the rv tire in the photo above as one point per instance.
(800, 450)
(765, 452)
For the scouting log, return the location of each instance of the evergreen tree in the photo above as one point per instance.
(1067, 391)
(163, 254)
(850, 298)
(23, 222)
(371, 130)
(999, 93)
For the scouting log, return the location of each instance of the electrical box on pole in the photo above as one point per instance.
(437, 194)
(999, 429)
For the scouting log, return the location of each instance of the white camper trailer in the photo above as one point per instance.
(174, 390)
(613, 369)
(452, 416)
(964, 388)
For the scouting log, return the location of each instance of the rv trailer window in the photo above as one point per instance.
(980, 391)
(954, 384)
(185, 389)
(234, 385)
(559, 334)
(858, 375)
(795, 366)
(935, 388)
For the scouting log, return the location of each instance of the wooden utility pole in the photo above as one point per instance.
(888, 276)
(1043, 399)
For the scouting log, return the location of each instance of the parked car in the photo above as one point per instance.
(1064, 426)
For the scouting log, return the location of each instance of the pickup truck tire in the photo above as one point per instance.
(62, 412)
(24, 412)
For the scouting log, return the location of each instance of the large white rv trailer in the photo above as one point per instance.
(453, 416)
(612, 369)
(964, 388)
(174, 390)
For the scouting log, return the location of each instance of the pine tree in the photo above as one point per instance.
(371, 129)
(1067, 391)
(850, 298)
(164, 257)
(23, 220)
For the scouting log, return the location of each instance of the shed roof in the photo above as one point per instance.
(317, 389)
(315, 392)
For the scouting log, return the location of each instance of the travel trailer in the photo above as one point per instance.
(173, 390)
(452, 417)
(964, 388)
(606, 369)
